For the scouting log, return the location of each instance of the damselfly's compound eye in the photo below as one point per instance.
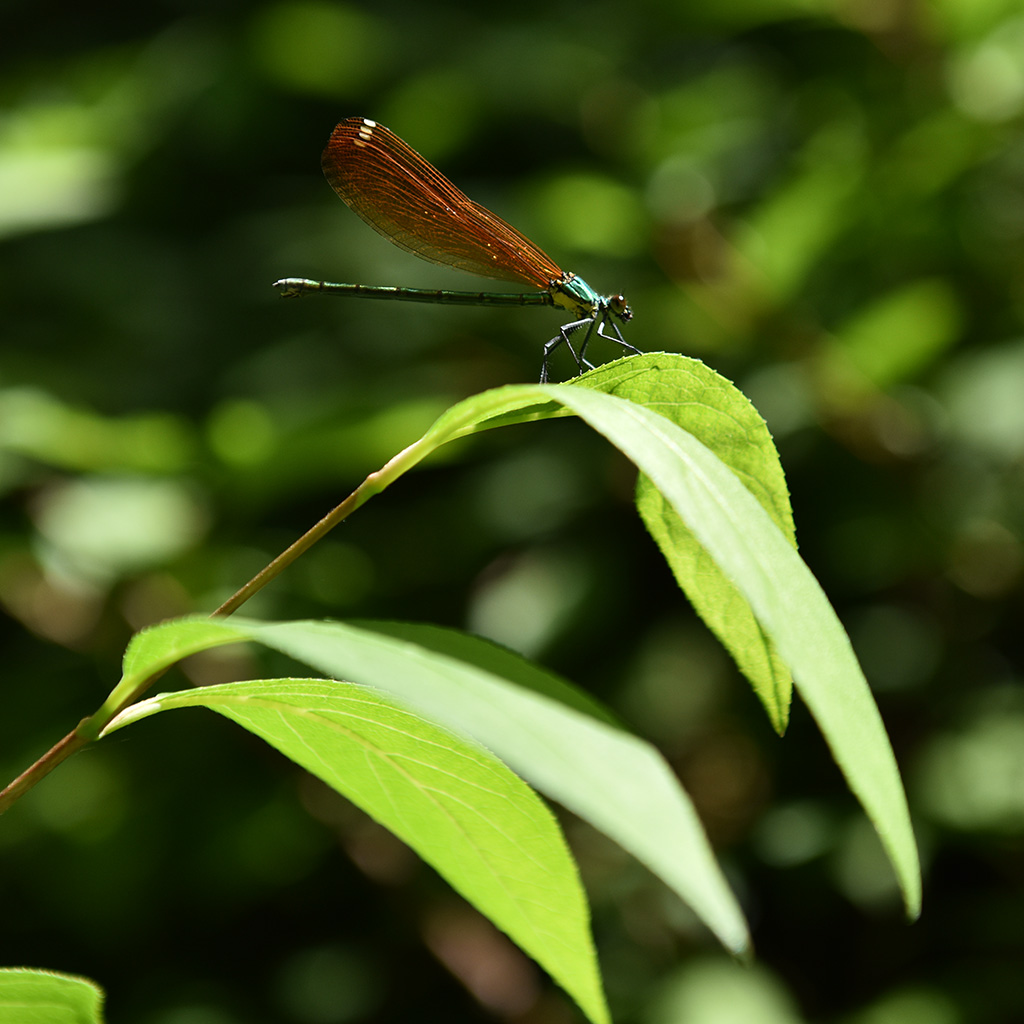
(617, 304)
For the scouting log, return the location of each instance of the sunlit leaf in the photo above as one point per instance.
(555, 736)
(730, 524)
(617, 782)
(32, 996)
(454, 803)
(750, 550)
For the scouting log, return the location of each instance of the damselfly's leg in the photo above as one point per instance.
(618, 338)
(562, 338)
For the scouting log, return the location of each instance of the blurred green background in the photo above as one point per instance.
(823, 199)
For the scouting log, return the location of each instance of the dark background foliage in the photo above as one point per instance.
(823, 200)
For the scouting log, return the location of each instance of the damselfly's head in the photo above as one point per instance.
(616, 305)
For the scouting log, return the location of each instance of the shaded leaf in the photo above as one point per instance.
(708, 406)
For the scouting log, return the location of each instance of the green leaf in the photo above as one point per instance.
(493, 659)
(760, 561)
(32, 996)
(711, 408)
(751, 552)
(152, 651)
(702, 402)
(454, 803)
(786, 599)
(617, 782)
(554, 735)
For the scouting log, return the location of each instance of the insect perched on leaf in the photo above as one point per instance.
(410, 202)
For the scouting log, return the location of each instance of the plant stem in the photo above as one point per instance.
(274, 569)
(373, 484)
(60, 751)
(89, 728)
